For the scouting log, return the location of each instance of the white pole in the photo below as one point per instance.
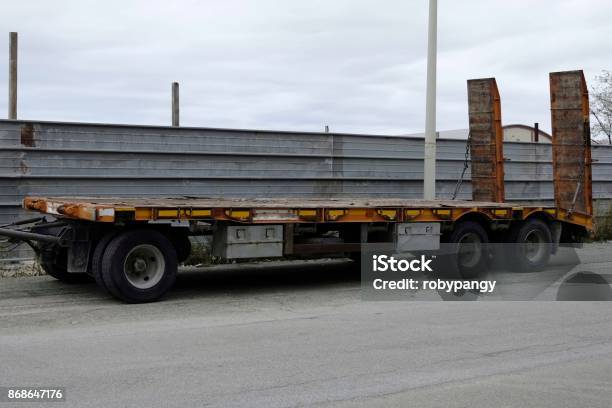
(429, 181)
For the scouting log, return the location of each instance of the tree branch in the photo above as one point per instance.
(605, 129)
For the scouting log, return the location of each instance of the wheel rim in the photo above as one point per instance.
(469, 250)
(534, 246)
(144, 266)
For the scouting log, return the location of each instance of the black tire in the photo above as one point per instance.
(146, 279)
(98, 256)
(58, 269)
(466, 251)
(182, 244)
(530, 246)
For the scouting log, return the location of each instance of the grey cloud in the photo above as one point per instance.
(358, 66)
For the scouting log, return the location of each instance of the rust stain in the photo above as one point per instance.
(27, 135)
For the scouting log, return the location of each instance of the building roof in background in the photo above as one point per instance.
(462, 134)
(529, 128)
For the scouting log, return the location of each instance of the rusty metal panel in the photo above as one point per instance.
(486, 146)
(571, 133)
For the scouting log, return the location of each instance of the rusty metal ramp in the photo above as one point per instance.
(486, 140)
(571, 133)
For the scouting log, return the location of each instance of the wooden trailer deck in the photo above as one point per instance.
(284, 210)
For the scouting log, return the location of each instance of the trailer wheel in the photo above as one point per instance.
(58, 269)
(531, 246)
(98, 256)
(467, 251)
(139, 266)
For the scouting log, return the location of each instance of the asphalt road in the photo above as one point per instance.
(299, 334)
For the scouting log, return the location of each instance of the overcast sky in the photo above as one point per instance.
(356, 65)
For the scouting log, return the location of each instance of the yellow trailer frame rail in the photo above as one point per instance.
(282, 211)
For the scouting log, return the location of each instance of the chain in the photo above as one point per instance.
(466, 164)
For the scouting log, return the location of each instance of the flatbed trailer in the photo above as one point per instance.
(132, 246)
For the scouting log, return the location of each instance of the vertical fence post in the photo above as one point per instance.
(175, 104)
(12, 102)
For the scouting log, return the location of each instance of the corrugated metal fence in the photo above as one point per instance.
(44, 158)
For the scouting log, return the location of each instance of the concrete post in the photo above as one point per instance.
(175, 104)
(12, 99)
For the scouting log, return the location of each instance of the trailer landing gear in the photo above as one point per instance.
(55, 265)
